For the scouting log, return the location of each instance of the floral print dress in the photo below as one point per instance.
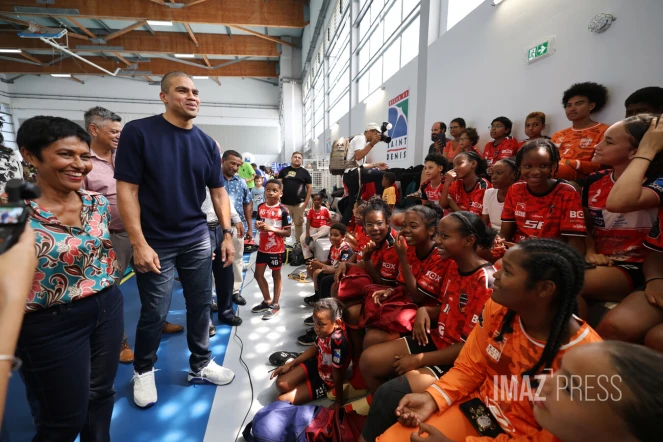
(10, 167)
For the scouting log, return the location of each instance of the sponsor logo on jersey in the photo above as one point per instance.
(336, 358)
(434, 276)
(463, 299)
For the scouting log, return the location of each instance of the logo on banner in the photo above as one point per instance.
(398, 114)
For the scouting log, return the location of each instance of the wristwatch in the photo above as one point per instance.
(229, 231)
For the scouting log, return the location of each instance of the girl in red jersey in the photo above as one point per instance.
(356, 236)
(615, 244)
(540, 206)
(463, 188)
(639, 317)
(522, 334)
(419, 360)
(420, 270)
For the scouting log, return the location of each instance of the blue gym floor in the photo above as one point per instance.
(183, 410)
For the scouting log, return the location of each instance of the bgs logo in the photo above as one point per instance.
(577, 214)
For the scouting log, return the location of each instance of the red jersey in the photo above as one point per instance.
(654, 240)
(318, 218)
(618, 236)
(506, 149)
(463, 296)
(386, 260)
(471, 201)
(278, 217)
(430, 193)
(340, 253)
(333, 352)
(362, 238)
(428, 272)
(558, 212)
(492, 371)
(577, 145)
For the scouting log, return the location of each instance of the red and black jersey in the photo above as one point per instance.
(463, 296)
(471, 201)
(386, 259)
(318, 218)
(333, 352)
(654, 239)
(506, 149)
(430, 193)
(340, 253)
(619, 236)
(278, 217)
(361, 236)
(428, 272)
(552, 215)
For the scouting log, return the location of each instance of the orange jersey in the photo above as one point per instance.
(492, 371)
(428, 272)
(471, 201)
(463, 296)
(654, 239)
(506, 149)
(577, 146)
(557, 213)
(386, 260)
(618, 236)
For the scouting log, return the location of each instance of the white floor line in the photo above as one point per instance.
(261, 338)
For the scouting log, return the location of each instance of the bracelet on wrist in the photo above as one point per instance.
(642, 158)
(652, 279)
(15, 362)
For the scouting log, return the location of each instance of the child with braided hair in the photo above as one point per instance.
(523, 332)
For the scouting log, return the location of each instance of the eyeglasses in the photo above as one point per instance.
(371, 225)
(496, 126)
(454, 127)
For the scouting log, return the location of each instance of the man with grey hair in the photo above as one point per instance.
(164, 163)
(104, 127)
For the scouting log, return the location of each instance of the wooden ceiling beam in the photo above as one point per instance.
(8, 18)
(194, 2)
(191, 34)
(30, 57)
(122, 59)
(281, 13)
(207, 61)
(216, 79)
(123, 31)
(81, 27)
(78, 80)
(266, 37)
(157, 67)
(163, 43)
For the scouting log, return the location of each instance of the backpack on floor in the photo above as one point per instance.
(295, 255)
(337, 161)
(280, 421)
(300, 274)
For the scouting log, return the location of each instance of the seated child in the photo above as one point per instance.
(503, 144)
(356, 235)
(464, 186)
(318, 220)
(535, 123)
(648, 100)
(323, 365)
(504, 175)
(576, 143)
(435, 166)
(390, 193)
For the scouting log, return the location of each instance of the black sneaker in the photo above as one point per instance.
(212, 330)
(282, 357)
(311, 300)
(261, 308)
(309, 338)
(273, 311)
(308, 321)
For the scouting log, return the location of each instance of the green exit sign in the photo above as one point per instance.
(539, 51)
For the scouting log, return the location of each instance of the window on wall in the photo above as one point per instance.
(459, 9)
(410, 42)
(339, 109)
(338, 55)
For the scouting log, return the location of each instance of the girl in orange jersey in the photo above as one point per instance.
(523, 332)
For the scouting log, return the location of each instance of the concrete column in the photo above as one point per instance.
(291, 98)
(421, 144)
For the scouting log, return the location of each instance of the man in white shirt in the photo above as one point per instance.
(360, 146)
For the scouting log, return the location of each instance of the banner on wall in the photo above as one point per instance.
(398, 117)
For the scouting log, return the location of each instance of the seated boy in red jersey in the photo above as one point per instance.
(535, 124)
(503, 144)
(576, 143)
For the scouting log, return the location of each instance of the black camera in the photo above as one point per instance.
(384, 129)
(14, 215)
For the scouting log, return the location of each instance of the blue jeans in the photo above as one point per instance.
(70, 355)
(223, 277)
(194, 267)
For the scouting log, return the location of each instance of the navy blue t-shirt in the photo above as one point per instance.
(172, 166)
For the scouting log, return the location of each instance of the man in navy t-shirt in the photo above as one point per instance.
(163, 165)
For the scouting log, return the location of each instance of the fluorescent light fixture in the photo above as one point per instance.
(200, 77)
(185, 56)
(10, 51)
(61, 75)
(377, 94)
(159, 23)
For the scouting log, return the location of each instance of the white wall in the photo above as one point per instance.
(476, 69)
(236, 102)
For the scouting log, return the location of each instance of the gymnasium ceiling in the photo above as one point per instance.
(220, 38)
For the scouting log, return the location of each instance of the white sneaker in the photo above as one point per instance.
(212, 374)
(145, 389)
